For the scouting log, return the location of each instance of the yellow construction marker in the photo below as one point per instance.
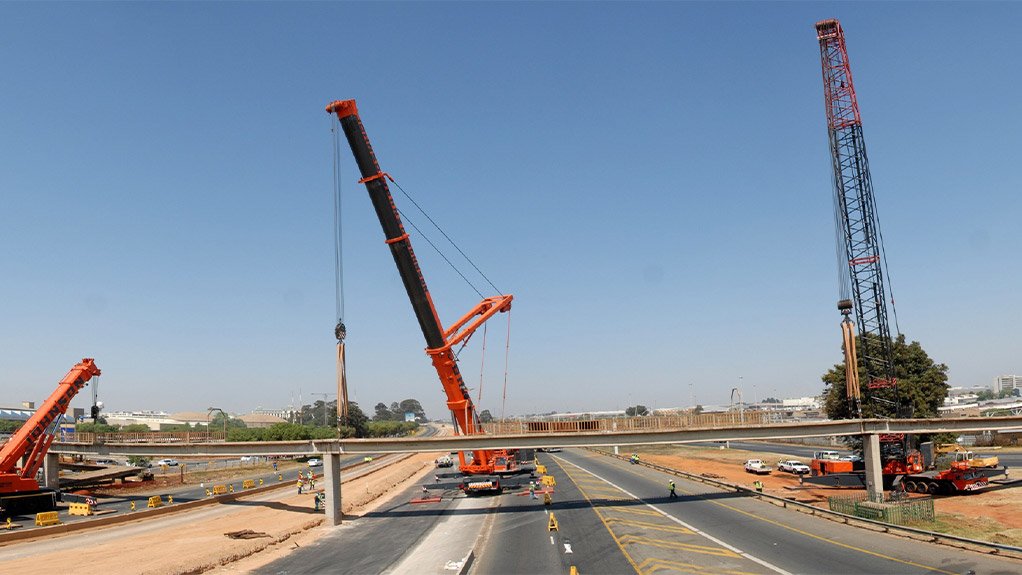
(170, 500)
(547, 500)
(552, 526)
(132, 505)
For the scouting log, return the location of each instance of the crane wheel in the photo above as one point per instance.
(910, 486)
(932, 488)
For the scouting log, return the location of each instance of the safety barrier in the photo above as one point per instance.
(47, 518)
(248, 484)
(548, 480)
(155, 501)
(83, 509)
(219, 489)
(541, 469)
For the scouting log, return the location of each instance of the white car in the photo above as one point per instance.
(757, 466)
(167, 462)
(315, 462)
(793, 466)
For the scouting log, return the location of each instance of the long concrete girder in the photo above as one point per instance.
(533, 440)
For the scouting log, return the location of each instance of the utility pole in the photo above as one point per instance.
(325, 396)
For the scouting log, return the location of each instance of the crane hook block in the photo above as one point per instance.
(340, 332)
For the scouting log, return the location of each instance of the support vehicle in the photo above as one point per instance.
(757, 466)
(22, 457)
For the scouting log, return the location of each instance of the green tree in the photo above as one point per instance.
(356, 420)
(136, 428)
(922, 385)
(637, 410)
(411, 406)
(383, 413)
(7, 426)
(89, 427)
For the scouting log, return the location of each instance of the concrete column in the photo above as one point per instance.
(332, 487)
(874, 469)
(51, 471)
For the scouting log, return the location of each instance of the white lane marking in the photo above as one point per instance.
(551, 539)
(770, 566)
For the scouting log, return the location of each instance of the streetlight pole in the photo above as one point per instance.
(223, 413)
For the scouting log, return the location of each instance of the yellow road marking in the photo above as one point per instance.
(648, 525)
(599, 515)
(807, 534)
(691, 547)
(653, 564)
(633, 510)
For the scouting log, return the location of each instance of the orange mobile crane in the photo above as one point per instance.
(19, 490)
(439, 341)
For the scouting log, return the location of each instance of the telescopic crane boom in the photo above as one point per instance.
(439, 341)
(30, 443)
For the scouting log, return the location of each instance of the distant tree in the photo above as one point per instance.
(638, 410)
(89, 427)
(138, 461)
(485, 416)
(136, 428)
(383, 413)
(985, 395)
(697, 410)
(356, 420)
(411, 406)
(922, 384)
(771, 400)
(9, 426)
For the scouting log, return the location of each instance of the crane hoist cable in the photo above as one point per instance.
(340, 330)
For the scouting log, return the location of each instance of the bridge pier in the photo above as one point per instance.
(51, 471)
(332, 488)
(874, 469)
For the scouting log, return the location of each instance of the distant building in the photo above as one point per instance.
(1007, 382)
(192, 417)
(258, 420)
(287, 413)
(152, 419)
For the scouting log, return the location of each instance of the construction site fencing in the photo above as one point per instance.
(645, 423)
(892, 508)
(144, 437)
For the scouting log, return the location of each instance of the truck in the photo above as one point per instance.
(957, 453)
(914, 471)
(24, 453)
(959, 478)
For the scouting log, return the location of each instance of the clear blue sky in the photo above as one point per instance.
(651, 181)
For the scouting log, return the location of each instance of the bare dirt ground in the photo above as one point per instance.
(990, 515)
(194, 541)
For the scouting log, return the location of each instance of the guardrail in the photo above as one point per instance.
(144, 437)
(644, 423)
(910, 532)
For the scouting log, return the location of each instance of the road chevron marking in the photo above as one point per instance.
(769, 566)
(647, 525)
(704, 549)
(654, 564)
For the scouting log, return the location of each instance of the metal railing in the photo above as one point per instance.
(144, 437)
(646, 423)
(891, 508)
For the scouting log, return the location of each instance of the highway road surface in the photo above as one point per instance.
(612, 517)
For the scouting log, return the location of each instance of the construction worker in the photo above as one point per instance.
(758, 485)
(300, 483)
(672, 494)
(532, 490)
(634, 458)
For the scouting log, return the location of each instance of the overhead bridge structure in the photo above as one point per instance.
(332, 449)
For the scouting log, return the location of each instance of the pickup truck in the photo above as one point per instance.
(793, 466)
(757, 466)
